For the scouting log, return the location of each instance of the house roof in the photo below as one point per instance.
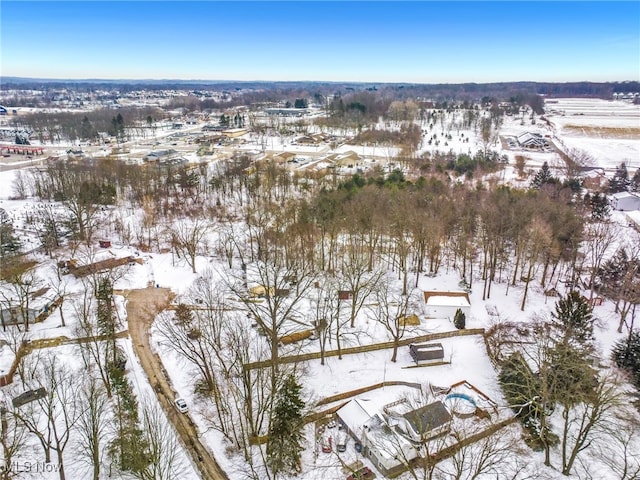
(621, 195)
(355, 414)
(530, 138)
(447, 298)
(427, 418)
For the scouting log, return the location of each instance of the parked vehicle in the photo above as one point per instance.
(341, 442)
(181, 405)
(363, 473)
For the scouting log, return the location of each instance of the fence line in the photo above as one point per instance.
(365, 348)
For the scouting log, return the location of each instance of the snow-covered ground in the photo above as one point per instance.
(608, 130)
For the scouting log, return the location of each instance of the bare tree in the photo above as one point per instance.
(582, 421)
(189, 240)
(618, 449)
(52, 417)
(13, 436)
(357, 279)
(165, 453)
(326, 307)
(599, 239)
(97, 352)
(191, 337)
(539, 238)
(283, 288)
(18, 294)
(491, 455)
(93, 425)
(390, 311)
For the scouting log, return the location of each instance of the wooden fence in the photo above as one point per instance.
(365, 348)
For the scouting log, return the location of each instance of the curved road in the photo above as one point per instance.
(142, 307)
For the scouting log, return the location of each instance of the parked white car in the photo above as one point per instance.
(181, 405)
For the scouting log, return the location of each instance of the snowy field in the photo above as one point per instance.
(608, 130)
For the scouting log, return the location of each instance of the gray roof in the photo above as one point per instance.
(427, 418)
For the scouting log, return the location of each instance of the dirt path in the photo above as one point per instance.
(142, 306)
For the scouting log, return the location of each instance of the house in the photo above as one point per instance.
(389, 451)
(311, 139)
(347, 159)
(383, 446)
(390, 439)
(531, 140)
(16, 315)
(284, 157)
(159, 155)
(426, 353)
(625, 201)
(287, 112)
(234, 132)
(445, 304)
(426, 422)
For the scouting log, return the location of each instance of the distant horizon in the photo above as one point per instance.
(339, 42)
(219, 80)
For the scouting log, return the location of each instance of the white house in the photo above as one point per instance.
(625, 201)
(445, 304)
(383, 446)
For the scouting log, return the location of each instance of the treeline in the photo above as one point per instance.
(62, 126)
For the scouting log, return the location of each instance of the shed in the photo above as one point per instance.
(28, 397)
(426, 353)
(625, 201)
(445, 304)
(345, 294)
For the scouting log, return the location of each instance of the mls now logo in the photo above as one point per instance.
(27, 466)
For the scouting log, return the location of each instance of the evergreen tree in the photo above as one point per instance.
(612, 273)
(284, 446)
(129, 450)
(573, 321)
(626, 354)
(87, 130)
(620, 181)
(599, 204)
(543, 176)
(635, 182)
(9, 242)
(459, 320)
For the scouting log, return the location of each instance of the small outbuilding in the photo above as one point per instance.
(426, 353)
(445, 304)
(625, 201)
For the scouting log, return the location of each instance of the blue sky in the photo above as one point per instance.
(424, 42)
